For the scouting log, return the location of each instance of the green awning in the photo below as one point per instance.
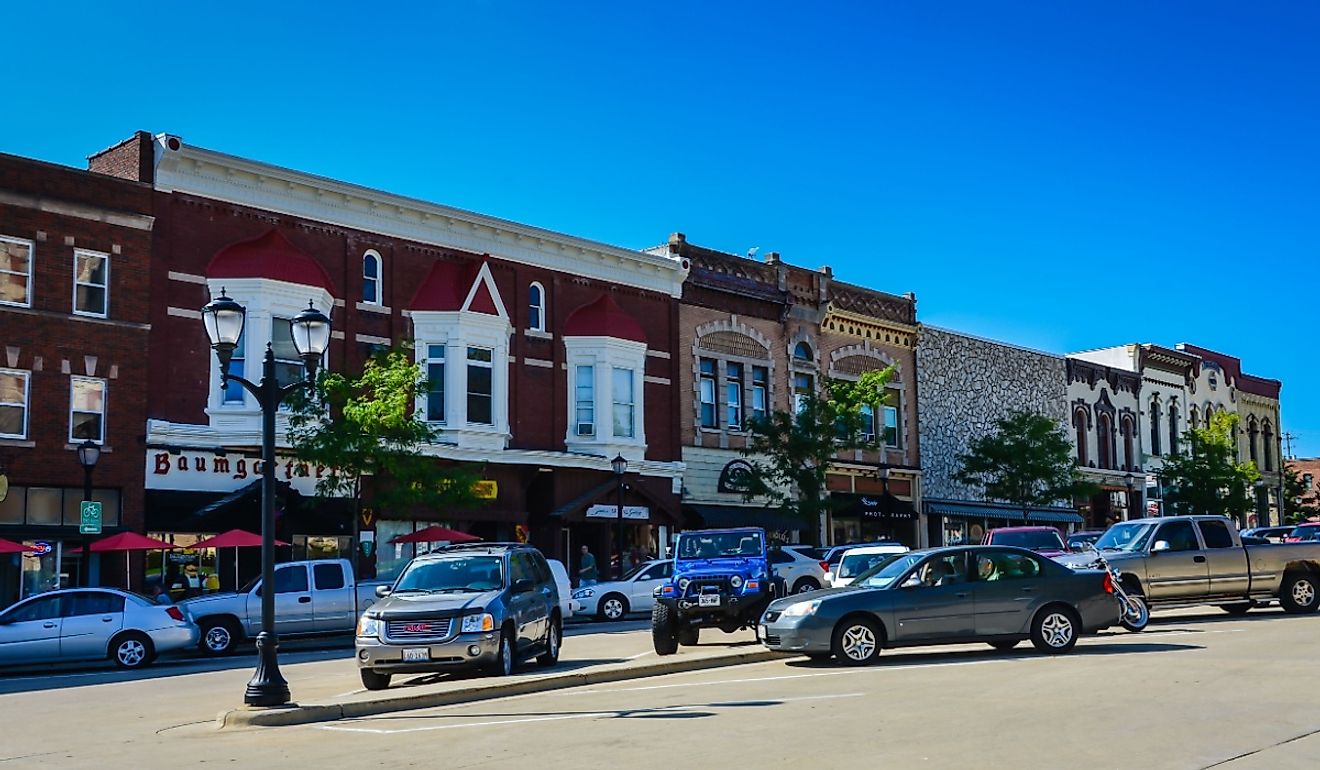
(964, 510)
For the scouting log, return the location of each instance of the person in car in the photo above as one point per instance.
(986, 569)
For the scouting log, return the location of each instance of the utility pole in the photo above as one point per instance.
(1287, 441)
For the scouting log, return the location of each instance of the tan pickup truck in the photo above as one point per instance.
(1182, 561)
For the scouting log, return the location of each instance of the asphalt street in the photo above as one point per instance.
(1198, 690)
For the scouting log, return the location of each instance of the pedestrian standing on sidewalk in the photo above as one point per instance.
(586, 569)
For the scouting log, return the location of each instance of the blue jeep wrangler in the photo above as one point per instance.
(721, 579)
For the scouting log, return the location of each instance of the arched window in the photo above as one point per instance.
(371, 278)
(1079, 426)
(1155, 426)
(1128, 433)
(802, 352)
(1173, 427)
(536, 307)
(1252, 430)
(1104, 442)
(1192, 417)
(1267, 445)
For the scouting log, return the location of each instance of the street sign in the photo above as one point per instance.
(91, 518)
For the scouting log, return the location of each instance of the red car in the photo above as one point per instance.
(1304, 533)
(1045, 541)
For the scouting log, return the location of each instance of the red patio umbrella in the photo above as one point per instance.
(9, 546)
(436, 534)
(129, 541)
(236, 539)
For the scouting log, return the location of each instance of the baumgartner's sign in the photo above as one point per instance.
(210, 472)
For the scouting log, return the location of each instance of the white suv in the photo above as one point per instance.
(798, 567)
(855, 561)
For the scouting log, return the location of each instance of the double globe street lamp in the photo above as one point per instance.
(224, 319)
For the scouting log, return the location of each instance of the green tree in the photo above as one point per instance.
(1206, 478)
(1295, 508)
(790, 453)
(369, 427)
(1027, 461)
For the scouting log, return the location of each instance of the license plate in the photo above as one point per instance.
(414, 654)
(765, 631)
(708, 600)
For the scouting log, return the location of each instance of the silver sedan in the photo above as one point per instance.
(92, 624)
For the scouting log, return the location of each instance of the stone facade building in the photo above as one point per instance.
(757, 336)
(75, 249)
(964, 385)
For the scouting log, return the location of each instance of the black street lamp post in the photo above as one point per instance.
(89, 452)
(311, 336)
(1130, 481)
(620, 466)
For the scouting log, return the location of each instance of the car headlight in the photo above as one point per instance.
(683, 584)
(802, 609)
(368, 627)
(583, 593)
(475, 623)
(736, 581)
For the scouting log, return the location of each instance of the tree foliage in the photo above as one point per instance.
(369, 426)
(1027, 461)
(790, 453)
(1296, 508)
(1206, 478)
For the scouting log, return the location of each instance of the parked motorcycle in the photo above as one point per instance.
(1135, 613)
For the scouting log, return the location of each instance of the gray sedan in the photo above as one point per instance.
(92, 624)
(996, 594)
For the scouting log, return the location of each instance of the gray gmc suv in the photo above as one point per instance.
(486, 605)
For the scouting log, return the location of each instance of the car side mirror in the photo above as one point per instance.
(1160, 546)
(382, 592)
(523, 585)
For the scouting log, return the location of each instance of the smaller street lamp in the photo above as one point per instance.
(1130, 482)
(620, 466)
(89, 453)
(1262, 505)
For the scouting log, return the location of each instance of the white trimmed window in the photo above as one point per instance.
(435, 383)
(891, 427)
(760, 392)
(479, 383)
(234, 392)
(536, 307)
(86, 409)
(868, 423)
(16, 271)
(14, 391)
(371, 278)
(584, 410)
(733, 395)
(623, 388)
(91, 283)
(288, 364)
(706, 393)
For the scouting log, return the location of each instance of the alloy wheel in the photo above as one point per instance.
(613, 609)
(131, 653)
(1303, 593)
(858, 642)
(218, 639)
(1057, 629)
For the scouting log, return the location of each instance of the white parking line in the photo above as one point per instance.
(640, 655)
(562, 717)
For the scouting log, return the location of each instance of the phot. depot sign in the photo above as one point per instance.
(192, 471)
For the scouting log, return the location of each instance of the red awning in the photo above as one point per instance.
(9, 546)
(234, 538)
(436, 534)
(129, 541)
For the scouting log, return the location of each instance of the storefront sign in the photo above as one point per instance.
(90, 518)
(639, 512)
(209, 472)
(486, 489)
(42, 548)
(735, 476)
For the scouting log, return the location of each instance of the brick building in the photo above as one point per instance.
(548, 355)
(757, 334)
(75, 249)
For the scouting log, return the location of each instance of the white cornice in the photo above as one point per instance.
(215, 175)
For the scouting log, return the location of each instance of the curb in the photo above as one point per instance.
(238, 719)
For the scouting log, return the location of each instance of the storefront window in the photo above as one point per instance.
(391, 557)
(40, 573)
(44, 505)
(310, 547)
(11, 508)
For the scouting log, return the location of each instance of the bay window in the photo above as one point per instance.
(624, 408)
(584, 402)
(479, 382)
(435, 383)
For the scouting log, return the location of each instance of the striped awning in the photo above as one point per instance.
(965, 510)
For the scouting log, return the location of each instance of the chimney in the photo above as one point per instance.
(827, 271)
(772, 258)
(134, 158)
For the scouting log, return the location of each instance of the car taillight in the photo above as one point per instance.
(175, 613)
(825, 566)
(1109, 583)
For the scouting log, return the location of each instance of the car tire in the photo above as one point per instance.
(554, 638)
(374, 680)
(663, 636)
(1237, 609)
(689, 637)
(856, 641)
(505, 659)
(1005, 645)
(806, 584)
(132, 650)
(1054, 630)
(612, 607)
(219, 637)
(1300, 593)
(1139, 618)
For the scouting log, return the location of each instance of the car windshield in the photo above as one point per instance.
(451, 574)
(712, 545)
(1305, 532)
(854, 564)
(1036, 540)
(1083, 537)
(1130, 536)
(884, 574)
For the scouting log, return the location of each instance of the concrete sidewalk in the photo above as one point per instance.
(333, 690)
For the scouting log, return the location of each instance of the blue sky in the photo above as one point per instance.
(1059, 175)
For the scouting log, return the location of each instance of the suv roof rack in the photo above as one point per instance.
(478, 545)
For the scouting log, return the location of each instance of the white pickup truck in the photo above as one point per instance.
(311, 598)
